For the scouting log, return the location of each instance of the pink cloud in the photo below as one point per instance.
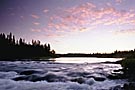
(22, 17)
(132, 21)
(86, 29)
(36, 23)
(118, 1)
(108, 4)
(45, 10)
(35, 30)
(80, 18)
(34, 16)
(54, 35)
(126, 31)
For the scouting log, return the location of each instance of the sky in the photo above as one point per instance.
(72, 26)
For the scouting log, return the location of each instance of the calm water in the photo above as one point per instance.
(84, 60)
(61, 74)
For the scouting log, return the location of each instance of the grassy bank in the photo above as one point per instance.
(128, 65)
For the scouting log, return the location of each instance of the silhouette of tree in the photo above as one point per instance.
(20, 41)
(53, 52)
(38, 42)
(48, 47)
(12, 48)
(13, 39)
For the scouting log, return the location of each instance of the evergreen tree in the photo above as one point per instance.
(48, 48)
(13, 39)
(20, 49)
(20, 41)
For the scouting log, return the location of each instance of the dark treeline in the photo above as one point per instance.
(12, 48)
(115, 54)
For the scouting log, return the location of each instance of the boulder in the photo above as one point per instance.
(29, 72)
(21, 78)
(119, 70)
(116, 76)
(78, 74)
(32, 78)
(79, 80)
(54, 78)
(99, 78)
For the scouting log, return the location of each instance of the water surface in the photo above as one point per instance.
(61, 74)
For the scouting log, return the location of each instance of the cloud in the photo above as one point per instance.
(88, 14)
(36, 30)
(22, 17)
(118, 1)
(34, 16)
(45, 10)
(86, 17)
(54, 35)
(108, 4)
(125, 31)
(72, 19)
(36, 23)
(86, 29)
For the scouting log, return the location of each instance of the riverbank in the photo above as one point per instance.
(128, 65)
(128, 69)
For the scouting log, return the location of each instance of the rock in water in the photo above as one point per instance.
(54, 78)
(29, 72)
(79, 80)
(21, 78)
(116, 76)
(99, 78)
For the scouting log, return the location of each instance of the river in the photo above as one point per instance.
(59, 74)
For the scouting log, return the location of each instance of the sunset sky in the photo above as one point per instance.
(72, 26)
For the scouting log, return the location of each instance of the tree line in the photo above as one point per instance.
(12, 48)
(115, 54)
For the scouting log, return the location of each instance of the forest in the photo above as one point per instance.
(115, 54)
(10, 48)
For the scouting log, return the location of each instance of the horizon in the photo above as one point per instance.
(30, 43)
(72, 26)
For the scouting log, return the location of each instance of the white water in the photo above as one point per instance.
(67, 68)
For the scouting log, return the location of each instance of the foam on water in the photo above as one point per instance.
(7, 75)
(66, 76)
(6, 84)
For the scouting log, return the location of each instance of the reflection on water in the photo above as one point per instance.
(83, 60)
